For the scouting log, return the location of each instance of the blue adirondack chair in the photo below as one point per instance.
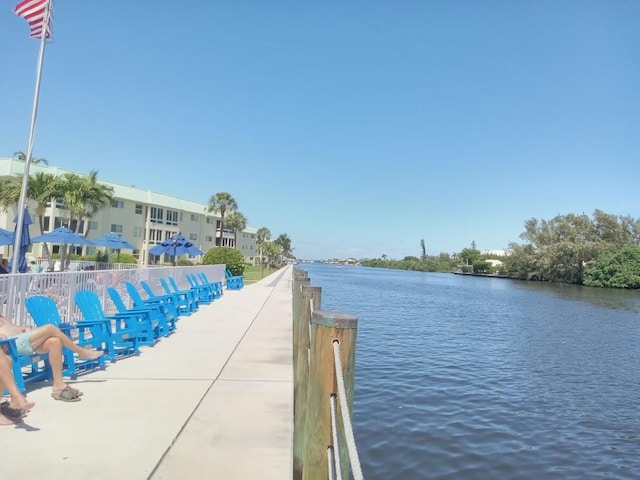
(195, 283)
(181, 304)
(92, 334)
(203, 293)
(189, 296)
(38, 367)
(234, 282)
(217, 286)
(168, 307)
(125, 329)
(153, 314)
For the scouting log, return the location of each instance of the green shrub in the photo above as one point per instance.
(124, 258)
(229, 256)
(615, 269)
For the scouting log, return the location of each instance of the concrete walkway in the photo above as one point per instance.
(213, 400)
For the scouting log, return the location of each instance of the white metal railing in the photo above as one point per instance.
(62, 286)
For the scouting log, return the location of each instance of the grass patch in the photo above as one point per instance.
(255, 273)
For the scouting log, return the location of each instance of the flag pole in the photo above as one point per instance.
(32, 129)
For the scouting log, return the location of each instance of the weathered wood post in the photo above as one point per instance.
(300, 278)
(327, 327)
(301, 377)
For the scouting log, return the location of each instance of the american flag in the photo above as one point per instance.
(35, 13)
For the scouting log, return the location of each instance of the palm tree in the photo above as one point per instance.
(222, 203)
(271, 250)
(22, 157)
(83, 196)
(41, 188)
(98, 195)
(10, 192)
(284, 242)
(262, 237)
(236, 221)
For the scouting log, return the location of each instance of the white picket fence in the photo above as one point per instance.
(62, 286)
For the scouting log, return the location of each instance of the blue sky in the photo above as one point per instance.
(358, 128)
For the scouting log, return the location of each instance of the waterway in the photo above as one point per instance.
(463, 377)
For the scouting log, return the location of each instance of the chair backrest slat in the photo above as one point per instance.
(43, 310)
(89, 304)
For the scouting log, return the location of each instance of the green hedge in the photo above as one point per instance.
(229, 256)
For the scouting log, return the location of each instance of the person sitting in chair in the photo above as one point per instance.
(11, 412)
(48, 339)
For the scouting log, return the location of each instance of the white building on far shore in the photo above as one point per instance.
(499, 253)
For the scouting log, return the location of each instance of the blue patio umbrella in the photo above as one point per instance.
(25, 241)
(176, 246)
(6, 237)
(62, 236)
(114, 241)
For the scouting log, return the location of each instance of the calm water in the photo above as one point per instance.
(476, 378)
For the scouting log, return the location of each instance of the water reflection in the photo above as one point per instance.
(609, 298)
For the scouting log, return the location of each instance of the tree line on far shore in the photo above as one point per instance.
(601, 251)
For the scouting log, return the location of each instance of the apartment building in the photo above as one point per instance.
(143, 217)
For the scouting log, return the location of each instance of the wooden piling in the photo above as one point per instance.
(299, 353)
(301, 375)
(327, 327)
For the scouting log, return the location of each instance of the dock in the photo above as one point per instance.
(213, 400)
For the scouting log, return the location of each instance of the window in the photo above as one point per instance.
(93, 225)
(208, 238)
(117, 204)
(45, 224)
(172, 217)
(138, 209)
(194, 217)
(210, 220)
(155, 235)
(116, 228)
(73, 225)
(59, 203)
(137, 232)
(193, 236)
(156, 214)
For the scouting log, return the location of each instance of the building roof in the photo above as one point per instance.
(11, 167)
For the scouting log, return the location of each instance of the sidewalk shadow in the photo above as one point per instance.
(32, 387)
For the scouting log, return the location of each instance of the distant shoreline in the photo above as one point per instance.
(491, 275)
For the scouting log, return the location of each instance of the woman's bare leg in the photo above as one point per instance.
(40, 335)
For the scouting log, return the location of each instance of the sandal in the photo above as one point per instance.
(66, 395)
(11, 412)
(78, 392)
